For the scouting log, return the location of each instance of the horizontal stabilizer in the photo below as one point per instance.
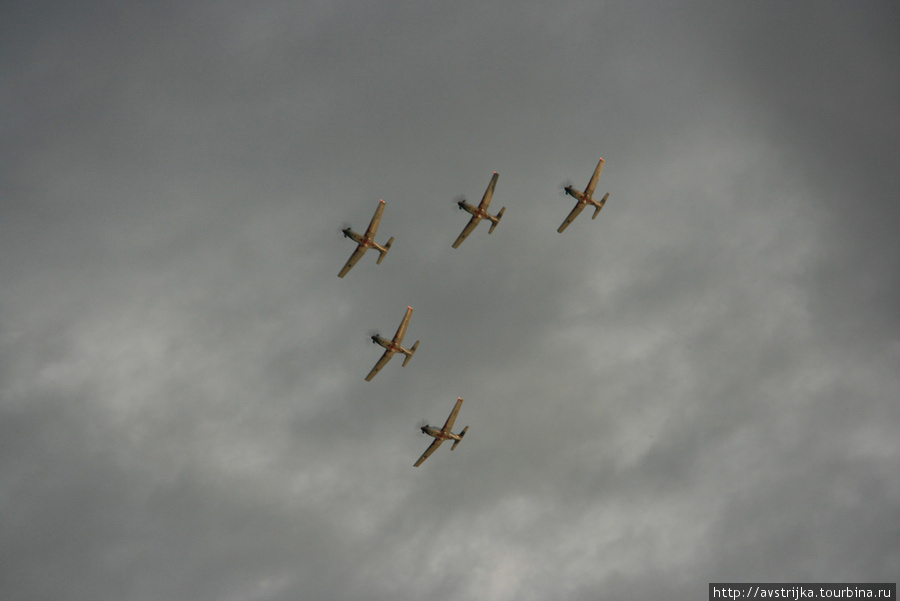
(387, 247)
(600, 205)
(412, 352)
(494, 223)
(461, 434)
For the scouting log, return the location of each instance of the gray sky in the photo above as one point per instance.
(701, 385)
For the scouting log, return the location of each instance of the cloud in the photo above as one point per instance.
(697, 386)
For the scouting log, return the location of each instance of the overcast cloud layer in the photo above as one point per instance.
(701, 385)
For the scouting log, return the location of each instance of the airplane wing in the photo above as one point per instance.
(401, 331)
(354, 258)
(489, 193)
(376, 220)
(449, 424)
(431, 449)
(475, 220)
(575, 213)
(381, 363)
(592, 185)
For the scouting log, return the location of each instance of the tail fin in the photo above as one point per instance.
(600, 205)
(461, 434)
(387, 247)
(494, 223)
(412, 352)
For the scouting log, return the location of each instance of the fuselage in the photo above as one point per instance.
(437, 433)
(579, 196)
(476, 211)
(389, 344)
(362, 240)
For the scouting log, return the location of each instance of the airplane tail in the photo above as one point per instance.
(412, 352)
(461, 434)
(387, 247)
(600, 205)
(495, 222)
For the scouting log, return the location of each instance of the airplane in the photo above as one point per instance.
(443, 434)
(480, 212)
(366, 241)
(585, 198)
(393, 347)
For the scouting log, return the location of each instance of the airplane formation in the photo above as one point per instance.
(393, 346)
